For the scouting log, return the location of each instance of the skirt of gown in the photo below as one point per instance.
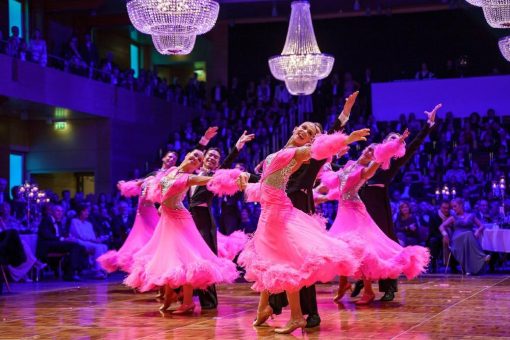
(177, 255)
(231, 245)
(467, 251)
(292, 249)
(146, 220)
(381, 258)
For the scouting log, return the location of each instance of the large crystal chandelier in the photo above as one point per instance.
(477, 3)
(301, 63)
(497, 13)
(173, 24)
(168, 17)
(504, 47)
(174, 44)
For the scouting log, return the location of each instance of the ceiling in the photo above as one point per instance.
(113, 12)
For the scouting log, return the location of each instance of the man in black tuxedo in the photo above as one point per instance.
(375, 195)
(200, 200)
(121, 225)
(50, 239)
(435, 239)
(300, 192)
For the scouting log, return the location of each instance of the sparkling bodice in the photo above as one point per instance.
(349, 183)
(174, 201)
(279, 179)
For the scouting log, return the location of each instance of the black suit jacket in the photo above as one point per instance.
(377, 199)
(202, 194)
(46, 234)
(121, 229)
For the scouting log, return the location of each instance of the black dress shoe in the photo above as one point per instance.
(313, 320)
(358, 286)
(209, 307)
(388, 296)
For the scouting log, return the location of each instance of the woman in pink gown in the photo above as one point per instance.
(176, 255)
(381, 258)
(146, 220)
(308, 254)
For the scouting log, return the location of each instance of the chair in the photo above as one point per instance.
(4, 277)
(60, 258)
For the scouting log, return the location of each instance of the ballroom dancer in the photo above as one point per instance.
(376, 197)
(300, 192)
(382, 257)
(177, 256)
(308, 254)
(146, 213)
(200, 200)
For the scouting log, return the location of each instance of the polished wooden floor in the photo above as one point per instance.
(432, 307)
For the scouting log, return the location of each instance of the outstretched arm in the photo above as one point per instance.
(343, 118)
(241, 142)
(415, 143)
(209, 134)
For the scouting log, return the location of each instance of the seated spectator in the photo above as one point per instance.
(435, 239)
(4, 195)
(14, 43)
(18, 272)
(11, 250)
(406, 226)
(83, 233)
(50, 239)
(121, 225)
(456, 175)
(10, 222)
(37, 48)
(482, 212)
(408, 189)
(424, 73)
(463, 242)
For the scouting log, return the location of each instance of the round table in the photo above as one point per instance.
(496, 240)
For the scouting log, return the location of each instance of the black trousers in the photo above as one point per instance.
(74, 261)
(204, 221)
(307, 295)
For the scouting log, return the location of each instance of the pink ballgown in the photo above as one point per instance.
(177, 255)
(382, 258)
(307, 253)
(231, 245)
(146, 220)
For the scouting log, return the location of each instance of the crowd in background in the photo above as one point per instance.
(465, 154)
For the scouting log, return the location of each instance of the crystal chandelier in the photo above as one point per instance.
(174, 44)
(478, 3)
(169, 17)
(504, 47)
(497, 13)
(301, 63)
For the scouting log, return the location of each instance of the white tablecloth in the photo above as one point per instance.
(31, 240)
(497, 240)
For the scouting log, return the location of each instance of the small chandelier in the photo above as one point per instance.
(504, 47)
(174, 44)
(497, 13)
(478, 3)
(301, 63)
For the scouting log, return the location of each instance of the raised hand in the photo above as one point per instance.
(242, 181)
(245, 137)
(405, 135)
(211, 132)
(349, 103)
(358, 135)
(431, 116)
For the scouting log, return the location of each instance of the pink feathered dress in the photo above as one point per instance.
(231, 245)
(290, 248)
(382, 258)
(146, 220)
(177, 255)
